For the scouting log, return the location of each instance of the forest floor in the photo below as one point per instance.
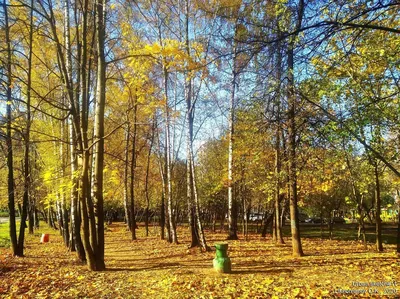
(150, 268)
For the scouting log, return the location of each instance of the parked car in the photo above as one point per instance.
(338, 220)
(256, 217)
(314, 220)
(303, 217)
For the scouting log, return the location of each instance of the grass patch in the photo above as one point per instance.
(4, 235)
(347, 232)
(343, 232)
(3, 214)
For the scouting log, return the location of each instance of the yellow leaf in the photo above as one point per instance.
(296, 291)
(268, 281)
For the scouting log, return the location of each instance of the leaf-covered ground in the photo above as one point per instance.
(150, 268)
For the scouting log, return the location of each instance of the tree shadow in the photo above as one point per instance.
(149, 259)
(262, 270)
(160, 266)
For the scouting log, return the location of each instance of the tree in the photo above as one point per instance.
(292, 104)
(232, 205)
(98, 248)
(10, 184)
(278, 162)
(147, 191)
(196, 227)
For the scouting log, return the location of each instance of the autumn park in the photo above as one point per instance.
(199, 149)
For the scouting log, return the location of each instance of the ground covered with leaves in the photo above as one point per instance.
(150, 268)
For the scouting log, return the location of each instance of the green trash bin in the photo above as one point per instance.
(222, 263)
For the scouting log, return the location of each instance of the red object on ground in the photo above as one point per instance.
(45, 238)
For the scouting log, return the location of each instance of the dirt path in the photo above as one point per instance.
(150, 268)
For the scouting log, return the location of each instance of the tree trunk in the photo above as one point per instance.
(146, 183)
(65, 64)
(244, 207)
(31, 217)
(398, 225)
(98, 247)
(278, 223)
(194, 235)
(79, 111)
(32, 209)
(10, 184)
(283, 212)
(201, 237)
(87, 220)
(36, 218)
(267, 221)
(358, 200)
(214, 221)
(27, 174)
(378, 221)
(194, 240)
(321, 226)
(126, 175)
(232, 204)
(92, 206)
(133, 168)
(294, 219)
(162, 205)
(171, 223)
(25, 198)
(162, 217)
(63, 207)
(76, 240)
(59, 215)
(361, 223)
(278, 227)
(330, 227)
(50, 217)
(273, 227)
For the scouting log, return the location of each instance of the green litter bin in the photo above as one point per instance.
(222, 263)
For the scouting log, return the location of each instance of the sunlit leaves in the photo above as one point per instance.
(174, 55)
